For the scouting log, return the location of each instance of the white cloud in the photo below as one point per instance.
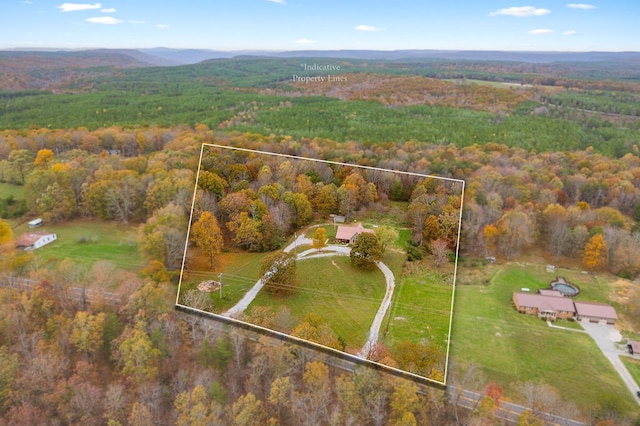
(367, 28)
(541, 31)
(104, 20)
(521, 11)
(76, 7)
(582, 6)
(108, 10)
(570, 33)
(278, 1)
(133, 21)
(162, 26)
(305, 41)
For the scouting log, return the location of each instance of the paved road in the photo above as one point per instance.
(330, 250)
(605, 337)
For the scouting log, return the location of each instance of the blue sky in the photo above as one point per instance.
(553, 25)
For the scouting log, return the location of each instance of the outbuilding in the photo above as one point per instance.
(35, 240)
(35, 223)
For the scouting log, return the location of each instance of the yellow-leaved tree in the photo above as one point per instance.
(206, 234)
(594, 255)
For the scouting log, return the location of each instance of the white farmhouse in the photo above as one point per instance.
(35, 240)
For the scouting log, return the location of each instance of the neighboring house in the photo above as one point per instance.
(35, 240)
(35, 223)
(595, 312)
(348, 234)
(544, 306)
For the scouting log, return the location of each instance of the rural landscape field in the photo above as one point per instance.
(305, 216)
(348, 237)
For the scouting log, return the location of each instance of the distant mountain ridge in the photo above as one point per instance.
(161, 56)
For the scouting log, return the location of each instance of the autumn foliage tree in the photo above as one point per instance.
(319, 238)
(594, 255)
(206, 234)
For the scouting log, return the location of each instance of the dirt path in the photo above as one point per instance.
(330, 250)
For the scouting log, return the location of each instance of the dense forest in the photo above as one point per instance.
(552, 172)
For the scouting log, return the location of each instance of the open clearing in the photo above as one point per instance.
(88, 241)
(511, 347)
(7, 190)
(421, 309)
(346, 298)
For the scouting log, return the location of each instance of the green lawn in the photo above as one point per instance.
(344, 297)
(511, 347)
(240, 271)
(103, 241)
(7, 189)
(421, 309)
(633, 365)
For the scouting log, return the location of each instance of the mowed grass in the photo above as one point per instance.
(109, 241)
(7, 190)
(239, 272)
(421, 310)
(510, 347)
(345, 297)
(633, 366)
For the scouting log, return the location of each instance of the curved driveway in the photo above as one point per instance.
(330, 250)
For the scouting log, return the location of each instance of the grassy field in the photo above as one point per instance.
(511, 347)
(345, 297)
(633, 365)
(7, 189)
(421, 309)
(240, 271)
(103, 241)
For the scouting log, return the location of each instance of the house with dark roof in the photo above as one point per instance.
(35, 240)
(549, 307)
(348, 234)
(595, 312)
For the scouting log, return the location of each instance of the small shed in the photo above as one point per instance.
(35, 223)
(633, 347)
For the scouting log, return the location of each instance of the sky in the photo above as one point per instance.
(279, 25)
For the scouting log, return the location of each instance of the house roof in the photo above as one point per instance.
(635, 346)
(28, 239)
(347, 232)
(544, 303)
(598, 310)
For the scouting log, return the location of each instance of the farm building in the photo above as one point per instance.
(544, 306)
(348, 234)
(35, 223)
(35, 240)
(595, 312)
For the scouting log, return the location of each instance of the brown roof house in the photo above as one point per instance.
(595, 312)
(35, 240)
(348, 234)
(633, 347)
(544, 306)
